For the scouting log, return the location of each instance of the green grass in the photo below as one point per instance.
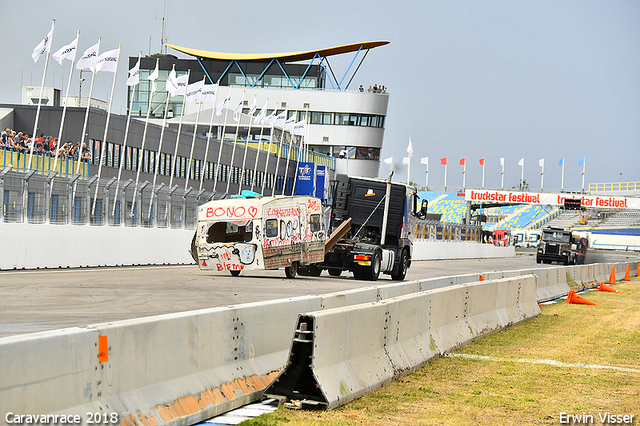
(459, 391)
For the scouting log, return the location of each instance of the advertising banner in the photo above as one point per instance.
(304, 181)
(320, 181)
(550, 198)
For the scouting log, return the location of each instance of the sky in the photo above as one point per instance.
(466, 79)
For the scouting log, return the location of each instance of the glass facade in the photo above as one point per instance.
(158, 98)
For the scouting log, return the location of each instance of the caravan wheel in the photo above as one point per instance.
(291, 271)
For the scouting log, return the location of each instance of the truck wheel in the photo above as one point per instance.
(335, 272)
(315, 270)
(358, 274)
(402, 267)
(373, 272)
(235, 273)
(290, 271)
(538, 260)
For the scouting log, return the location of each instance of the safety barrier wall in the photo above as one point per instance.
(358, 349)
(182, 368)
(438, 250)
(61, 246)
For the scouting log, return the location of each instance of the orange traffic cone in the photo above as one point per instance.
(604, 287)
(612, 277)
(627, 275)
(574, 298)
(638, 271)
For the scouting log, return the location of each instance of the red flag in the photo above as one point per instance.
(482, 161)
(462, 161)
(443, 161)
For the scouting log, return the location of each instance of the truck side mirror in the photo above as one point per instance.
(422, 213)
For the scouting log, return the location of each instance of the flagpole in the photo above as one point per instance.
(299, 157)
(144, 139)
(64, 109)
(291, 141)
(104, 138)
(284, 179)
(44, 76)
(224, 126)
(445, 178)
(426, 172)
(562, 179)
(206, 150)
(235, 142)
(246, 145)
(502, 173)
(266, 165)
(584, 166)
(175, 150)
(193, 144)
(86, 115)
(483, 174)
(123, 152)
(260, 144)
(464, 174)
(542, 176)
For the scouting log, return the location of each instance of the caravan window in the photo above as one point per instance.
(314, 223)
(271, 226)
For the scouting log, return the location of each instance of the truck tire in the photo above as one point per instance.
(538, 260)
(235, 273)
(291, 271)
(402, 267)
(373, 272)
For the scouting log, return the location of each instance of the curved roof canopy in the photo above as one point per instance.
(283, 57)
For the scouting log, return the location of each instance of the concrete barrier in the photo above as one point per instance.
(358, 349)
(438, 250)
(185, 367)
(32, 246)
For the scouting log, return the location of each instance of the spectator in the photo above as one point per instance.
(4, 137)
(361, 88)
(375, 88)
(370, 89)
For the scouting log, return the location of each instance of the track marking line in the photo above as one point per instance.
(551, 362)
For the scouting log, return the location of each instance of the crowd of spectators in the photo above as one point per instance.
(21, 142)
(374, 89)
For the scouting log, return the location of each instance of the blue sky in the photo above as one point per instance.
(513, 79)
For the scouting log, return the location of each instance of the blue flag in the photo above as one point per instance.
(561, 161)
(581, 161)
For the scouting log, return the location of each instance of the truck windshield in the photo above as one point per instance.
(555, 237)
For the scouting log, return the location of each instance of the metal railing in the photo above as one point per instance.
(614, 186)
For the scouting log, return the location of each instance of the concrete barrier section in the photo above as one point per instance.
(358, 349)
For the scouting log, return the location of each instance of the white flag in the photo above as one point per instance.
(108, 61)
(172, 82)
(237, 113)
(502, 161)
(262, 115)
(271, 119)
(252, 107)
(222, 105)
(410, 149)
(67, 52)
(299, 128)
(183, 82)
(194, 91)
(541, 162)
(388, 161)
(425, 161)
(134, 74)
(153, 77)
(288, 125)
(89, 57)
(279, 122)
(406, 160)
(209, 92)
(43, 46)
(521, 162)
